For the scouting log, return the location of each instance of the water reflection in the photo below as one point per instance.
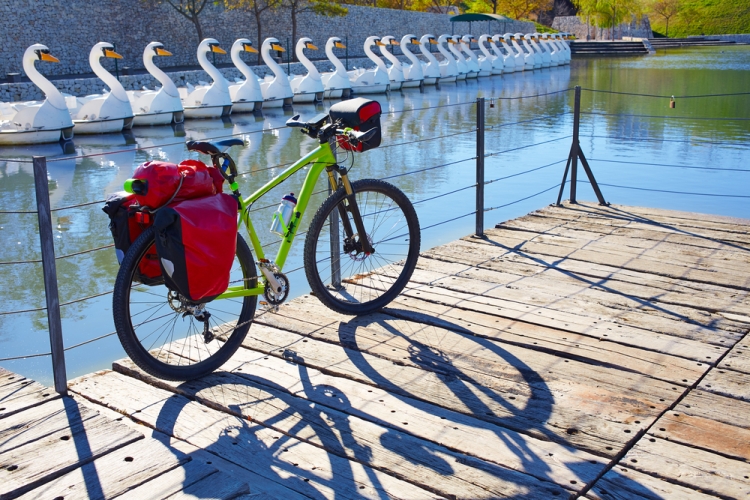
(81, 174)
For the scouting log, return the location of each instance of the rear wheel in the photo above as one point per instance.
(340, 274)
(165, 335)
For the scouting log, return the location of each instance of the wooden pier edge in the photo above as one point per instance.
(579, 351)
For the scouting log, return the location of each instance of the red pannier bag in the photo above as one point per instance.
(126, 224)
(196, 241)
(157, 183)
(360, 114)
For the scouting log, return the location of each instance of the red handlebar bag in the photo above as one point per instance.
(360, 114)
(196, 241)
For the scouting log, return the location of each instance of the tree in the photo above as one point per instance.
(609, 13)
(328, 8)
(189, 9)
(257, 7)
(667, 9)
(688, 15)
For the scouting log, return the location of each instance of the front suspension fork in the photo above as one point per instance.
(351, 207)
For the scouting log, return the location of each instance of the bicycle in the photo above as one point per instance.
(360, 250)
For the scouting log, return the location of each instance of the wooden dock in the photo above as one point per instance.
(579, 351)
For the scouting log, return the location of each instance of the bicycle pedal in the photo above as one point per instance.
(269, 307)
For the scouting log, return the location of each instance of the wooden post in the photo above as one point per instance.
(479, 233)
(50, 274)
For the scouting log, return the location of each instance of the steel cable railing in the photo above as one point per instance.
(668, 165)
(478, 185)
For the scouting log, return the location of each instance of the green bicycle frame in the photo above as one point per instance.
(319, 159)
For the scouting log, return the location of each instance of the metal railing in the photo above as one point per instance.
(48, 258)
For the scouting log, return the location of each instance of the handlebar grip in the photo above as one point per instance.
(203, 147)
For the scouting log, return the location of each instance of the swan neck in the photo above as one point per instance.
(311, 69)
(334, 60)
(390, 57)
(378, 61)
(114, 85)
(166, 83)
(212, 71)
(407, 52)
(53, 95)
(240, 64)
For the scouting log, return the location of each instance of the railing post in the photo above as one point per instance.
(576, 146)
(50, 274)
(479, 233)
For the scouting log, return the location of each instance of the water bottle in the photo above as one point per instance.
(283, 214)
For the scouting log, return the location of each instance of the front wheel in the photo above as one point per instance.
(340, 273)
(167, 336)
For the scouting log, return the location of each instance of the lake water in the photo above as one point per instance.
(692, 157)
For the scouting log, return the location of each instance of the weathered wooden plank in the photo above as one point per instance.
(436, 468)
(600, 334)
(522, 263)
(729, 330)
(718, 408)
(459, 353)
(218, 486)
(622, 483)
(596, 327)
(8, 377)
(191, 480)
(653, 216)
(117, 472)
(532, 412)
(633, 233)
(681, 255)
(40, 422)
(704, 433)
(644, 299)
(34, 463)
(690, 467)
(605, 312)
(728, 383)
(261, 487)
(505, 240)
(302, 467)
(23, 396)
(607, 351)
(455, 431)
(738, 358)
(571, 276)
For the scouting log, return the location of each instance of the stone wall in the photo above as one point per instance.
(574, 24)
(72, 27)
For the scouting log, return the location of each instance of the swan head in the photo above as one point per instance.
(428, 39)
(104, 49)
(444, 39)
(409, 39)
(39, 52)
(305, 43)
(374, 40)
(270, 44)
(496, 38)
(483, 38)
(389, 40)
(155, 49)
(210, 45)
(468, 40)
(244, 45)
(335, 43)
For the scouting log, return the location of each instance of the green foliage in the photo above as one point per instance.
(540, 28)
(709, 17)
(328, 8)
(605, 13)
